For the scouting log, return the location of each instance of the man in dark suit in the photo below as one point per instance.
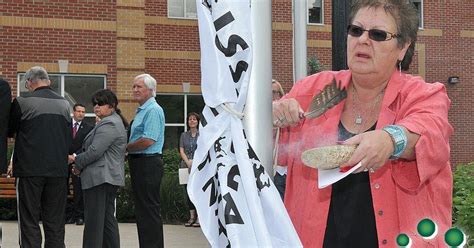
(79, 131)
(5, 102)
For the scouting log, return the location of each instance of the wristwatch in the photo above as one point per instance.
(399, 140)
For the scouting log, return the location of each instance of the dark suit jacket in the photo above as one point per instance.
(76, 145)
(5, 102)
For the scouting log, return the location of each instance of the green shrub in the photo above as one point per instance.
(314, 66)
(463, 199)
(173, 195)
(125, 201)
(9, 150)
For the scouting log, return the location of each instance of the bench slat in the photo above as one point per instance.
(7, 188)
(7, 196)
(8, 192)
(7, 180)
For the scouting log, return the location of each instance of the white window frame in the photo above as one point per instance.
(185, 110)
(322, 13)
(180, 124)
(184, 11)
(62, 83)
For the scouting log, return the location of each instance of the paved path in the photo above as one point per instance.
(176, 236)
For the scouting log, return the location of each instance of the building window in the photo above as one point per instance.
(315, 11)
(182, 9)
(176, 108)
(75, 88)
(419, 7)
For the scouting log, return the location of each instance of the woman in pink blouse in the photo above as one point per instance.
(400, 126)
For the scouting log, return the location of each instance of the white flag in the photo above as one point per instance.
(237, 203)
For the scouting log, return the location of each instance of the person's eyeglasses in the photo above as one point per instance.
(99, 103)
(374, 34)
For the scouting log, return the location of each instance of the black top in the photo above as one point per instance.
(41, 123)
(189, 143)
(351, 219)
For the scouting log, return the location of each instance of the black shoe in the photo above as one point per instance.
(79, 222)
(70, 221)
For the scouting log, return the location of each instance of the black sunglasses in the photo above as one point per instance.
(374, 34)
(100, 103)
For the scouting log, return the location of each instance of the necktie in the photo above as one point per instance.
(74, 129)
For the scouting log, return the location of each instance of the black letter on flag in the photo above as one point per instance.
(241, 67)
(230, 206)
(234, 171)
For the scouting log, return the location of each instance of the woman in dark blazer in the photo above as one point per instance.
(101, 168)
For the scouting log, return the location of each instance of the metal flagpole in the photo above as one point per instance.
(230, 180)
(299, 39)
(258, 109)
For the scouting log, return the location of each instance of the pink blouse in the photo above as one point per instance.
(403, 192)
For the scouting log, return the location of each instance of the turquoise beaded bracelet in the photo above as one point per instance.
(399, 140)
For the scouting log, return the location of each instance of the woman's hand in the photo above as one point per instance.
(286, 112)
(71, 159)
(189, 163)
(373, 150)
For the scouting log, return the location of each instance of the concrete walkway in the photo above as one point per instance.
(176, 236)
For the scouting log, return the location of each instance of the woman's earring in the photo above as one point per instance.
(400, 67)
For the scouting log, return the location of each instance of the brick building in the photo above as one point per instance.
(91, 44)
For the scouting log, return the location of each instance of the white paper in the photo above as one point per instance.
(328, 177)
(183, 174)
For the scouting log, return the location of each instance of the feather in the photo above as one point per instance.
(326, 99)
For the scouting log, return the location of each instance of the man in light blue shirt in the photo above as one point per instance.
(145, 161)
(148, 127)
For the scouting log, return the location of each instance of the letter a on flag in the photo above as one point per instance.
(237, 203)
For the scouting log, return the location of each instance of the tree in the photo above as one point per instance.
(314, 66)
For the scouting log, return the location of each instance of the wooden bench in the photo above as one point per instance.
(7, 188)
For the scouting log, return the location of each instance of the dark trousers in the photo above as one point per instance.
(188, 200)
(146, 174)
(100, 225)
(280, 184)
(78, 212)
(45, 198)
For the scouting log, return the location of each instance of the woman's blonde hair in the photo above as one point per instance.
(280, 89)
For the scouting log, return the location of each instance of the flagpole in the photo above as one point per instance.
(299, 39)
(258, 109)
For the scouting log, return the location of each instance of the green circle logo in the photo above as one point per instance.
(403, 240)
(427, 228)
(454, 237)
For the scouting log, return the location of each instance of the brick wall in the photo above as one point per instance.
(452, 54)
(129, 37)
(43, 32)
